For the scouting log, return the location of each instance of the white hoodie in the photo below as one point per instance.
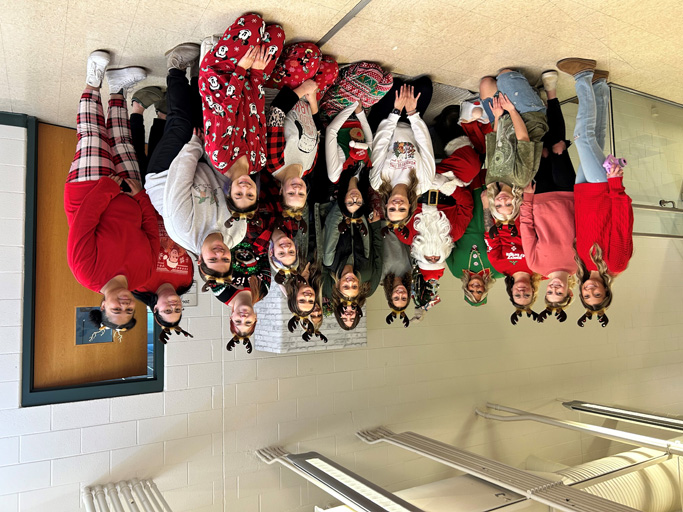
(190, 198)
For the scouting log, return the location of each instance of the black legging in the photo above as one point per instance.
(556, 172)
(382, 109)
(137, 133)
(184, 114)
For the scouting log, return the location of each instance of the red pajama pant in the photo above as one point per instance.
(233, 99)
(103, 148)
(301, 62)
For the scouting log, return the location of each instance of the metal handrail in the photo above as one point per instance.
(657, 208)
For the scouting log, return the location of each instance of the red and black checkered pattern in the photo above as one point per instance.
(103, 148)
(275, 139)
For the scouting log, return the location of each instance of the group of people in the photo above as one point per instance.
(335, 186)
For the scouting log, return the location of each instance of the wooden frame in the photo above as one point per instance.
(31, 396)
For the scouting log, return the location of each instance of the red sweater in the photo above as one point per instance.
(173, 266)
(110, 234)
(604, 214)
(505, 252)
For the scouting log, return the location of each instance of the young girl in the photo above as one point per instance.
(513, 148)
(113, 239)
(304, 293)
(293, 121)
(402, 154)
(231, 80)
(347, 143)
(242, 315)
(603, 211)
(174, 270)
(547, 213)
(396, 278)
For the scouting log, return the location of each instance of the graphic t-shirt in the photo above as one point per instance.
(173, 264)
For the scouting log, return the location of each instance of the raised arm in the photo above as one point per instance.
(381, 148)
(334, 155)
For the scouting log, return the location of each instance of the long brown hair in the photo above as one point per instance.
(338, 301)
(385, 193)
(583, 275)
(388, 286)
(293, 285)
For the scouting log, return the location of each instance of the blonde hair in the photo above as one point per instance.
(385, 193)
(566, 302)
(583, 275)
(492, 190)
(488, 279)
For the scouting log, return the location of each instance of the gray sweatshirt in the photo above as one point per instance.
(190, 198)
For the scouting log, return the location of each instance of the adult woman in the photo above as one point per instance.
(602, 209)
(402, 155)
(113, 237)
(514, 147)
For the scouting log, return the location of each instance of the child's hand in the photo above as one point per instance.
(116, 179)
(496, 107)
(505, 103)
(135, 187)
(530, 188)
(485, 200)
(263, 58)
(615, 171)
(359, 108)
(560, 147)
(199, 133)
(308, 87)
(400, 99)
(411, 99)
(249, 57)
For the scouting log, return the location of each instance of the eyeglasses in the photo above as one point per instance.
(358, 201)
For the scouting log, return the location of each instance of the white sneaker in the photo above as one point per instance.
(97, 65)
(549, 79)
(124, 78)
(182, 56)
(207, 45)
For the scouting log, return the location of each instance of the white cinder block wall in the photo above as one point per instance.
(197, 438)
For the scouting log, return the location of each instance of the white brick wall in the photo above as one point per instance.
(273, 336)
(219, 406)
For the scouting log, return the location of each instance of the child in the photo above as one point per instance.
(231, 80)
(113, 239)
(513, 148)
(603, 211)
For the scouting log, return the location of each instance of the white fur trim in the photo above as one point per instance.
(358, 145)
(425, 265)
(457, 143)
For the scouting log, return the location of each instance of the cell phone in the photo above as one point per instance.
(125, 187)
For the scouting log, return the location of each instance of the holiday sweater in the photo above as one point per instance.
(190, 198)
(173, 266)
(337, 149)
(233, 101)
(547, 228)
(293, 133)
(245, 263)
(604, 215)
(399, 147)
(110, 234)
(505, 252)
(469, 252)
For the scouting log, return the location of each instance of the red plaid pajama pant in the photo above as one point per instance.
(103, 148)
